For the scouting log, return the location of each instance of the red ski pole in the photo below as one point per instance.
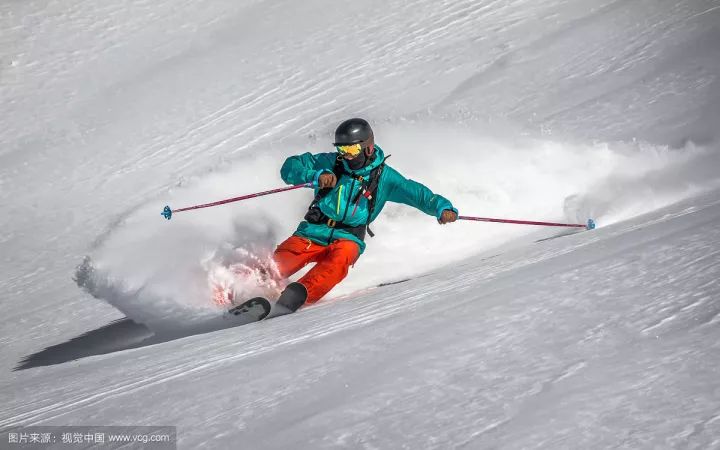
(590, 225)
(167, 212)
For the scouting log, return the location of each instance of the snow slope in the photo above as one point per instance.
(541, 110)
(595, 340)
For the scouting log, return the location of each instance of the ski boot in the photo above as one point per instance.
(292, 298)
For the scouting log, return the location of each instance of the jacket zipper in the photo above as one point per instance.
(347, 206)
(337, 210)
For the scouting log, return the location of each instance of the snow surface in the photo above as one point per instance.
(503, 337)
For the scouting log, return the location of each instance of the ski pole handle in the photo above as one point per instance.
(168, 212)
(590, 225)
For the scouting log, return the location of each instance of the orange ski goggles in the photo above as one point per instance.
(351, 150)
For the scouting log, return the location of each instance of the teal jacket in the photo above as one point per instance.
(393, 187)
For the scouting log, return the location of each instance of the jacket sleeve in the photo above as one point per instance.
(305, 168)
(417, 195)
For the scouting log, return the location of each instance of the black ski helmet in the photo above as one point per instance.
(353, 131)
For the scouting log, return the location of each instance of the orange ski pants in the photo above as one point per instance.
(332, 263)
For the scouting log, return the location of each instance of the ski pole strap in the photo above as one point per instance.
(168, 212)
(590, 225)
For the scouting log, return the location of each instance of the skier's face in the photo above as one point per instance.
(364, 148)
(364, 157)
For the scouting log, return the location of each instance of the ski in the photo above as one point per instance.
(253, 310)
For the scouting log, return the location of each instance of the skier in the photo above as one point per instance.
(351, 188)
